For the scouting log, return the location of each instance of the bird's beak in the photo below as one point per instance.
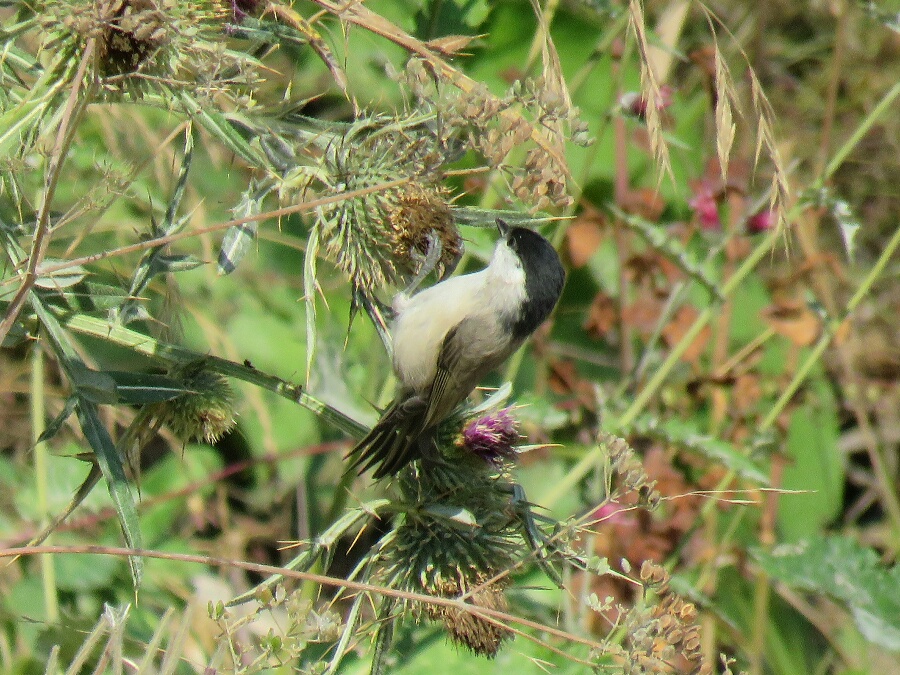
(503, 227)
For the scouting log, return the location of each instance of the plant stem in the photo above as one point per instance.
(41, 473)
(75, 107)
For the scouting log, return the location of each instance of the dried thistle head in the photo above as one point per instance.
(664, 636)
(131, 31)
(378, 235)
(206, 412)
(481, 636)
(417, 213)
(531, 114)
(180, 43)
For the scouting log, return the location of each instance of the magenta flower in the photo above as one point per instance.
(492, 437)
(707, 211)
(761, 222)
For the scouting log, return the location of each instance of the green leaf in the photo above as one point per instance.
(142, 388)
(842, 568)
(90, 296)
(114, 473)
(687, 436)
(155, 262)
(815, 468)
(221, 128)
(63, 278)
(56, 423)
(14, 124)
(93, 385)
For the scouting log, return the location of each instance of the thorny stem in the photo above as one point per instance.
(169, 354)
(75, 107)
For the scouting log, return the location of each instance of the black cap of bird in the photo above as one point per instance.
(447, 337)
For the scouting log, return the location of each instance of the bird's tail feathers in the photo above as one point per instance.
(394, 441)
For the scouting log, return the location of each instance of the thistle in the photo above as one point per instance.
(206, 412)
(378, 237)
(147, 44)
(457, 536)
(491, 437)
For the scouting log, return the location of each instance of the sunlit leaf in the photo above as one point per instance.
(845, 570)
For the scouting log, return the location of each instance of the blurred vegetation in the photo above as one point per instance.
(204, 203)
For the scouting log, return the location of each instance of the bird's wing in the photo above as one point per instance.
(444, 394)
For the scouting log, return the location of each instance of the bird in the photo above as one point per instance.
(447, 337)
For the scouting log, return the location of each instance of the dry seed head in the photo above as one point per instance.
(628, 467)
(466, 628)
(133, 30)
(415, 212)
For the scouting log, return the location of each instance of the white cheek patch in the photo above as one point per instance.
(506, 278)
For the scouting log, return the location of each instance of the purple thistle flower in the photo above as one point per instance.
(492, 437)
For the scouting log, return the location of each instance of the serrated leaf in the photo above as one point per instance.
(142, 388)
(110, 463)
(845, 570)
(687, 435)
(170, 225)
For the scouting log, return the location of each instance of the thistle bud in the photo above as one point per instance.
(205, 411)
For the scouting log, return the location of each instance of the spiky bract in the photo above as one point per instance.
(456, 535)
(206, 412)
(377, 237)
(145, 44)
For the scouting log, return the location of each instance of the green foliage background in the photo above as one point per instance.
(758, 368)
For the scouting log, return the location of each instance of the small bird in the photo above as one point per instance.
(449, 336)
